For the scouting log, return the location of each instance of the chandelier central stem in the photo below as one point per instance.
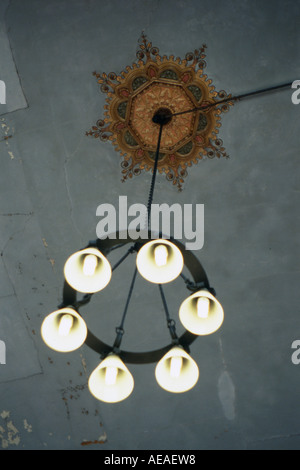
(150, 199)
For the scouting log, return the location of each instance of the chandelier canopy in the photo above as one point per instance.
(151, 84)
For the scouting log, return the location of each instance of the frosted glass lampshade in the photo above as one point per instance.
(177, 372)
(201, 313)
(159, 261)
(64, 330)
(111, 381)
(88, 270)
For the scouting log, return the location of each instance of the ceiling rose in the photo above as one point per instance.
(155, 83)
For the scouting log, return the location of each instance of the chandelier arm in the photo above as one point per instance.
(69, 296)
(85, 300)
(234, 98)
(97, 345)
(194, 266)
(195, 286)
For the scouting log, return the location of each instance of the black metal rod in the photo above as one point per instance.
(184, 277)
(170, 322)
(85, 300)
(164, 302)
(120, 329)
(128, 298)
(235, 98)
(114, 248)
(122, 259)
(150, 199)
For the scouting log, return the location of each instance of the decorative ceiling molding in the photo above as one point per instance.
(154, 82)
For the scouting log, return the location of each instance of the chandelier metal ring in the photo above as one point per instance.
(195, 269)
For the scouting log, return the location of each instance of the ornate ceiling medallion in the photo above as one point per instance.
(161, 83)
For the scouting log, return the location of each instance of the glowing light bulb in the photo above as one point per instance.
(65, 325)
(161, 255)
(203, 307)
(89, 265)
(175, 366)
(111, 375)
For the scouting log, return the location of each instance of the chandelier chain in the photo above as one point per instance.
(151, 192)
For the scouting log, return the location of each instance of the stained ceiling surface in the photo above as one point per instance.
(53, 178)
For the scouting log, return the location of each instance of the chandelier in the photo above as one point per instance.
(162, 114)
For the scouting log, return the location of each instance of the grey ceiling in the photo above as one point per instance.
(53, 178)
